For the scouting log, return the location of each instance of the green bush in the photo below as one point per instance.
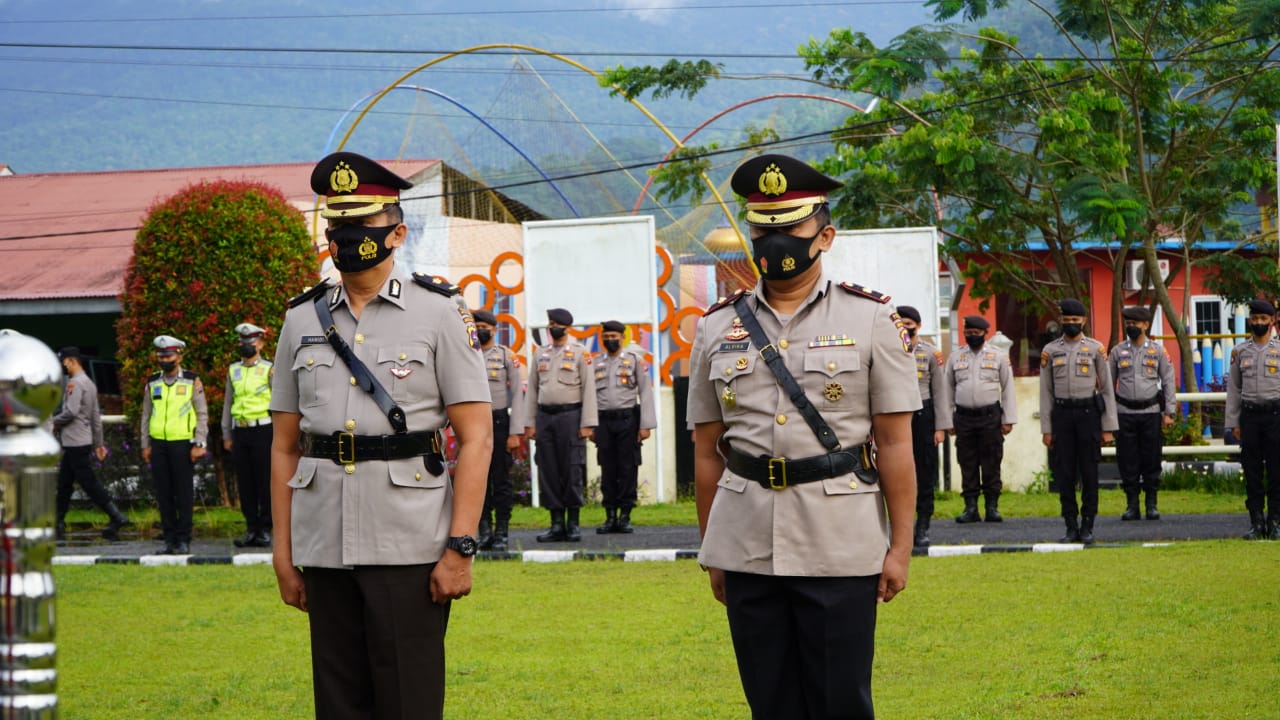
(1199, 476)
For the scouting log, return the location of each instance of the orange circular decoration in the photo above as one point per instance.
(497, 264)
(671, 360)
(669, 306)
(474, 278)
(679, 338)
(518, 343)
(667, 265)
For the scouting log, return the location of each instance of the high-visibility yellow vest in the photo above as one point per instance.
(173, 414)
(251, 385)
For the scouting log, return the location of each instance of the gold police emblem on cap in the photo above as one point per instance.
(343, 178)
(772, 181)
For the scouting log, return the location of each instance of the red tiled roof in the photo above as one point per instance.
(70, 235)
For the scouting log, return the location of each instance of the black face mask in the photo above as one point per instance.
(248, 351)
(1260, 330)
(974, 342)
(484, 336)
(556, 332)
(358, 247)
(1072, 329)
(66, 370)
(612, 345)
(168, 365)
(1133, 333)
(911, 332)
(780, 256)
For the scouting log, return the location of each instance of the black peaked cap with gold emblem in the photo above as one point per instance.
(781, 190)
(355, 186)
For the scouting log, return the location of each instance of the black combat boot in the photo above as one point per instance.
(1073, 532)
(993, 509)
(556, 532)
(1131, 511)
(970, 514)
(1257, 527)
(485, 532)
(624, 522)
(500, 530)
(921, 537)
(118, 520)
(1153, 513)
(610, 524)
(571, 532)
(1086, 529)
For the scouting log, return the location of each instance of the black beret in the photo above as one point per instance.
(1261, 307)
(780, 190)
(560, 315)
(613, 326)
(355, 186)
(975, 322)
(1140, 314)
(1072, 306)
(69, 352)
(484, 316)
(909, 313)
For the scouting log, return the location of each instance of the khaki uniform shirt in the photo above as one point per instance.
(1142, 372)
(1076, 369)
(561, 375)
(506, 386)
(929, 364)
(80, 422)
(974, 380)
(421, 346)
(1254, 377)
(622, 381)
(850, 355)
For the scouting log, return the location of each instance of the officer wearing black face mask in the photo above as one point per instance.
(1253, 419)
(978, 407)
(926, 434)
(1077, 415)
(626, 414)
(246, 433)
(1145, 403)
(506, 393)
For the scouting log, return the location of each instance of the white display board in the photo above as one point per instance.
(899, 262)
(598, 268)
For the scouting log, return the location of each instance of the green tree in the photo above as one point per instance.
(208, 258)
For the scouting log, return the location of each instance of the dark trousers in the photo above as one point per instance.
(251, 454)
(1260, 460)
(979, 450)
(926, 454)
(1077, 448)
(804, 644)
(562, 460)
(76, 467)
(1138, 444)
(618, 452)
(377, 643)
(173, 475)
(499, 493)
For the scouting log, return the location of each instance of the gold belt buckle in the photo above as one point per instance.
(349, 440)
(773, 481)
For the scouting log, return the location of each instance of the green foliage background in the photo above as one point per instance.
(206, 259)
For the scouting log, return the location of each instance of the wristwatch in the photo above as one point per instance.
(465, 545)
(199, 445)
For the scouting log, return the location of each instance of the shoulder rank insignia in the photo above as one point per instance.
(436, 284)
(311, 293)
(865, 292)
(726, 302)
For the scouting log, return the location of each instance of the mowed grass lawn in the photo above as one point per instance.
(1186, 631)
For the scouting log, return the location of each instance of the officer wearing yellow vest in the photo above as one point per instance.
(175, 425)
(246, 433)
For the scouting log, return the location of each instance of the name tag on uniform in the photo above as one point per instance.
(734, 346)
(312, 340)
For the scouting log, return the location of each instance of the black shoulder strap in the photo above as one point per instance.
(825, 434)
(359, 371)
(311, 292)
(436, 284)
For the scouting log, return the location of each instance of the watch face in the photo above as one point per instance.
(466, 545)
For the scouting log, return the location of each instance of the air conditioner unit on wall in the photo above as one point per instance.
(1135, 273)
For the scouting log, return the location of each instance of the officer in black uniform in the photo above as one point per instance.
(1144, 406)
(1253, 419)
(506, 392)
(925, 433)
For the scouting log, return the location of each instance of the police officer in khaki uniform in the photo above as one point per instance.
(506, 393)
(175, 427)
(1077, 415)
(561, 416)
(246, 433)
(79, 429)
(1253, 419)
(925, 433)
(372, 537)
(626, 415)
(979, 408)
(1144, 407)
(794, 531)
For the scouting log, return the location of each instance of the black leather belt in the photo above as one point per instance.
(778, 473)
(620, 413)
(1270, 406)
(557, 409)
(1139, 404)
(1075, 402)
(983, 411)
(344, 448)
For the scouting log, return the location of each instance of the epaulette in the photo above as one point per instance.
(865, 292)
(726, 302)
(189, 375)
(310, 293)
(436, 284)
(153, 377)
